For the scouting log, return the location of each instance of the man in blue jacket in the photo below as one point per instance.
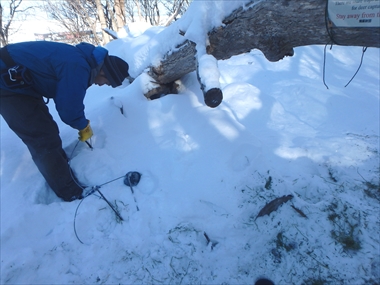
(31, 71)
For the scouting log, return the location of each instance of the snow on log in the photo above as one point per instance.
(208, 77)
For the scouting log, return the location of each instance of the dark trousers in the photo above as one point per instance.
(30, 119)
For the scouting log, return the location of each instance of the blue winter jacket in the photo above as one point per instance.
(59, 71)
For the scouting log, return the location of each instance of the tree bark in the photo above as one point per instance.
(119, 13)
(102, 20)
(175, 13)
(275, 27)
(138, 10)
(14, 8)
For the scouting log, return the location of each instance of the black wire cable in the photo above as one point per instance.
(360, 65)
(331, 36)
(75, 216)
(71, 171)
(76, 212)
(128, 176)
(97, 187)
(324, 67)
(111, 180)
(109, 204)
(92, 192)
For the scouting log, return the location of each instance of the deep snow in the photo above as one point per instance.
(209, 172)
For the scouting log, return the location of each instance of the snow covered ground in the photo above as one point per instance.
(206, 175)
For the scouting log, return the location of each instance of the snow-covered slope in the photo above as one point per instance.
(206, 175)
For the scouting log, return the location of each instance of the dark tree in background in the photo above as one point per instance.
(7, 18)
(82, 18)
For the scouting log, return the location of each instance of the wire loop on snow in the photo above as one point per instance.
(329, 26)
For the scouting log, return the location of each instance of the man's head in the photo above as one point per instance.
(113, 72)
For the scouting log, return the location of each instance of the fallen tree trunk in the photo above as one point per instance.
(274, 27)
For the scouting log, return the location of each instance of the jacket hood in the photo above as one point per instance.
(94, 55)
(95, 58)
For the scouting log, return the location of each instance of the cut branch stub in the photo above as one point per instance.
(208, 76)
(213, 97)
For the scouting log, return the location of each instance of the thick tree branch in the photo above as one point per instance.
(273, 26)
(276, 27)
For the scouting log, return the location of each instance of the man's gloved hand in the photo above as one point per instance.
(86, 133)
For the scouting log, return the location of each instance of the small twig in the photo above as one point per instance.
(324, 265)
(301, 233)
(357, 170)
(302, 214)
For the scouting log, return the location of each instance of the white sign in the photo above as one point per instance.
(354, 13)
